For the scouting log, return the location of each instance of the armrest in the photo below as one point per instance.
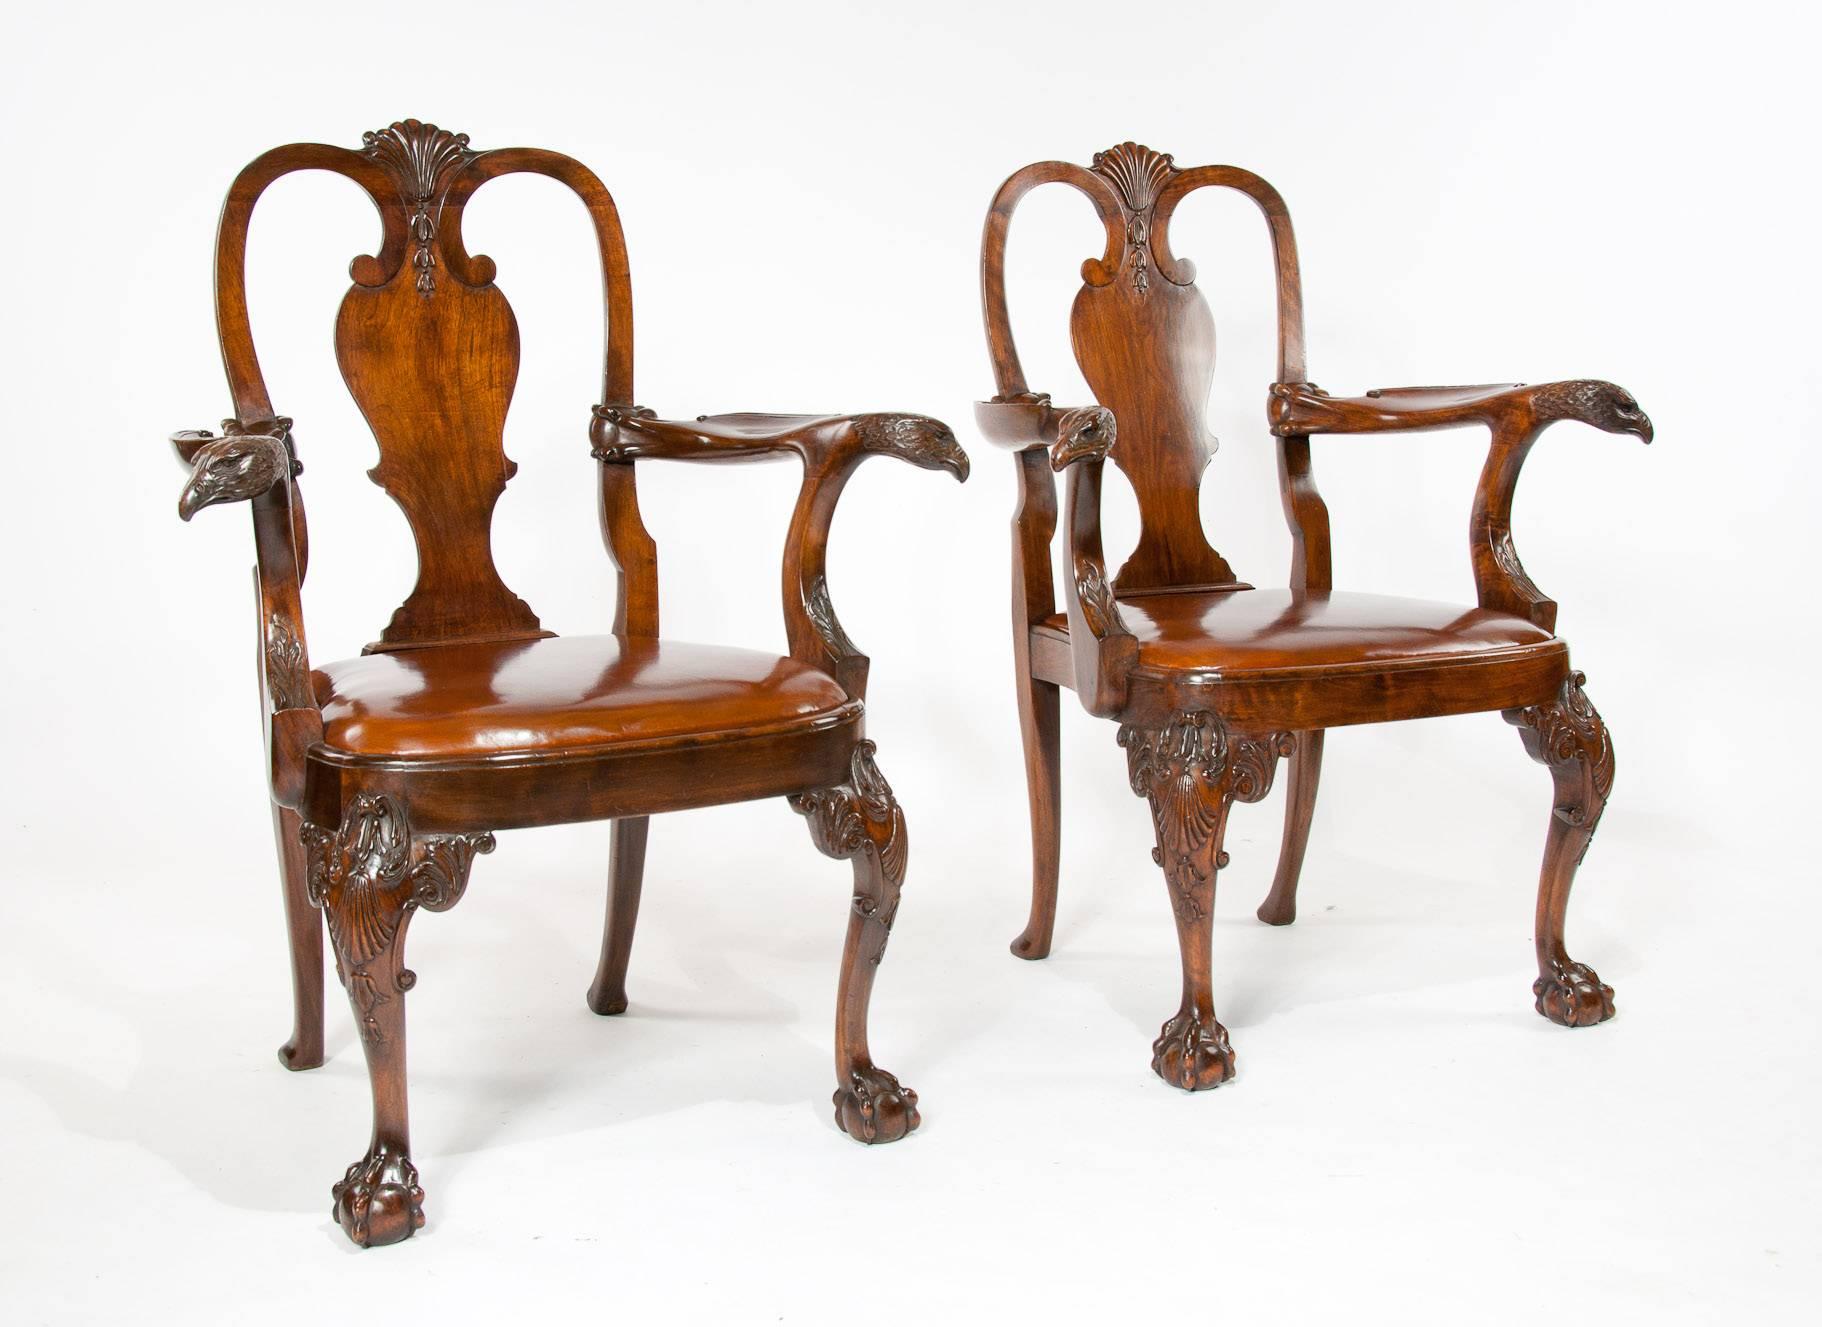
(630, 433)
(1029, 420)
(1515, 414)
(254, 462)
(831, 448)
(1102, 647)
(1302, 408)
(237, 467)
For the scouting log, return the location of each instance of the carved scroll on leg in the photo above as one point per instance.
(368, 876)
(861, 820)
(1568, 736)
(1191, 771)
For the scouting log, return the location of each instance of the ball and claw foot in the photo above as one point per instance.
(379, 1201)
(1191, 1054)
(1572, 994)
(874, 1107)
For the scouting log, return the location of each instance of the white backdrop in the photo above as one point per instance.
(1481, 193)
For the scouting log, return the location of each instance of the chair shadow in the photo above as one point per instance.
(213, 1121)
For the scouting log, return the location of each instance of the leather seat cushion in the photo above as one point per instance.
(561, 693)
(1270, 630)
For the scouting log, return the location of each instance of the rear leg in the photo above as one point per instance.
(626, 877)
(1280, 906)
(1039, 722)
(304, 930)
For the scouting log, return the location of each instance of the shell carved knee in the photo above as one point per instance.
(1189, 770)
(368, 876)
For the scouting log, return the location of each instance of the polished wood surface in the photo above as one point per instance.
(390, 771)
(1212, 681)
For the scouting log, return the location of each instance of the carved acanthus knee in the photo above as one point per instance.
(1190, 770)
(368, 876)
(859, 816)
(1567, 735)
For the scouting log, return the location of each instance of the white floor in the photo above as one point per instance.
(1406, 1139)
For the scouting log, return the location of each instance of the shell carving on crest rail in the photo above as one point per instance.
(421, 158)
(1138, 173)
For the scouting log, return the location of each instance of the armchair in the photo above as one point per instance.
(1211, 680)
(390, 771)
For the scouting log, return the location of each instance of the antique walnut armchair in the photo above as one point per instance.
(389, 771)
(1212, 681)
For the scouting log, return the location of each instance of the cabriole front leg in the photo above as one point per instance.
(1568, 736)
(368, 876)
(860, 820)
(1191, 771)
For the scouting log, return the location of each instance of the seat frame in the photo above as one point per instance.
(429, 347)
(1199, 739)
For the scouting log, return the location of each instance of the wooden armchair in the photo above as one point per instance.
(1211, 680)
(389, 771)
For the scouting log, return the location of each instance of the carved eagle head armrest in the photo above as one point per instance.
(1102, 645)
(1604, 405)
(926, 443)
(1082, 434)
(240, 465)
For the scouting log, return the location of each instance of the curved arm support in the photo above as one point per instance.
(1515, 414)
(831, 447)
(1102, 647)
(1076, 441)
(829, 458)
(254, 462)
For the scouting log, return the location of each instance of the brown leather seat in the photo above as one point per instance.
(1246, 631)
(562, 693)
